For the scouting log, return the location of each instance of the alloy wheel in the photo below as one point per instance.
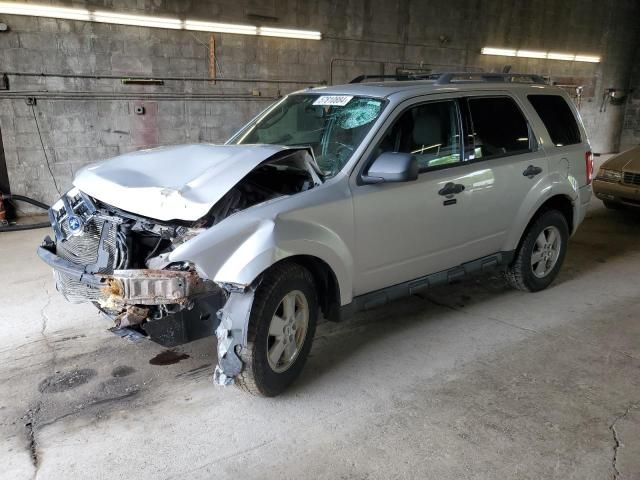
(546, 251)
(287, 331)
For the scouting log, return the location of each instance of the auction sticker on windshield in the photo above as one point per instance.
(334, 100)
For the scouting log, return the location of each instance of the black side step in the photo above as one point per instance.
(402, 290)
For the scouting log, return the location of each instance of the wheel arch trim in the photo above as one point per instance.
(562, 197)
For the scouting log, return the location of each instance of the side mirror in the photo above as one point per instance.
(392, 167)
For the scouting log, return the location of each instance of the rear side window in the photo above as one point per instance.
(499, 127)
(557, 118)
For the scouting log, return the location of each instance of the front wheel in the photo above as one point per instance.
(541, 253)
(281, 328)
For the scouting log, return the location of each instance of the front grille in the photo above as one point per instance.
(74, 291)
(84, 249)
(631, 178)
(96, 245)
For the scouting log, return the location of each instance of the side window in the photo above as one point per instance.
(499, 127)
(557, 118)
(429, 131)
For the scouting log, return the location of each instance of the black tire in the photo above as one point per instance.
(612, 205)
(520, 273)
(257, 376)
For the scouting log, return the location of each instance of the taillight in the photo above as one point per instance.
(588, 159)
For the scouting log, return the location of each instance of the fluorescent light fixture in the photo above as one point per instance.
(587, 58)
(289, 33)
(506, 52)
(220, 27)
(104, 16)
(499, 51)
(531, 54)
(561, 56)
(34, 10)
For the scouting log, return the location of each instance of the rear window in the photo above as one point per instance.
(499, 127)
(557, 118)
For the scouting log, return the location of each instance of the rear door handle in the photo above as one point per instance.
(531, 171)
(451, 189)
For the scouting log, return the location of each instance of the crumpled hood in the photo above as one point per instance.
(172, 183)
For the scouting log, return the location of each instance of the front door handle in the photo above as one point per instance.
(531, 171)
(451, 189)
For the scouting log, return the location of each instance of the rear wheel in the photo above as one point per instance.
(281, 328)
(541, 253)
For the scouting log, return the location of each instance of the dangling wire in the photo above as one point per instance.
(44, 150)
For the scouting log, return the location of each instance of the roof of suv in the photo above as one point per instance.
(410, 88)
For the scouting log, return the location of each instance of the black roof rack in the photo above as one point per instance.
(452, 77)
(445, 78)
(399, 77)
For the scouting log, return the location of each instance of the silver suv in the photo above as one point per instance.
(331, 201)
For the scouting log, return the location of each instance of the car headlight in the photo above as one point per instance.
(609, 175)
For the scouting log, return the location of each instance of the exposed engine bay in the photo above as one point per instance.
(118, 260)
(286, 176)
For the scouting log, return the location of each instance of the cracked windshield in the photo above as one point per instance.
(333, 125)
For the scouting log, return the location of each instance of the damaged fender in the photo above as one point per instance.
(287, 238)
(232, 335)
(237, 251)
(257, 244)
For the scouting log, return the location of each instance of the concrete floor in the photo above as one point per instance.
(469, 381)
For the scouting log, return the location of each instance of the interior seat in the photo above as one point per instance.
(427, 137)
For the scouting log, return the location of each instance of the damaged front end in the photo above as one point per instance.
(118, 262)
(120, 259)
(141, 294)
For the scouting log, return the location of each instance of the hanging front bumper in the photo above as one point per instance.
(138, 287)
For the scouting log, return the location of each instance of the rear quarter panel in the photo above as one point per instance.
(566, 173)
(548, 186)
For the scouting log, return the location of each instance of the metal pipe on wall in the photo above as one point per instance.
(168, 78)
(49, 95)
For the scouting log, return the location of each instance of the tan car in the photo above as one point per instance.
(618, 181)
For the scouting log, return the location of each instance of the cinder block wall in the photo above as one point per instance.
(631, 127)
(82, 120)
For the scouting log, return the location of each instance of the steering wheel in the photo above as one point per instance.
(334, 156)
(341, 149)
